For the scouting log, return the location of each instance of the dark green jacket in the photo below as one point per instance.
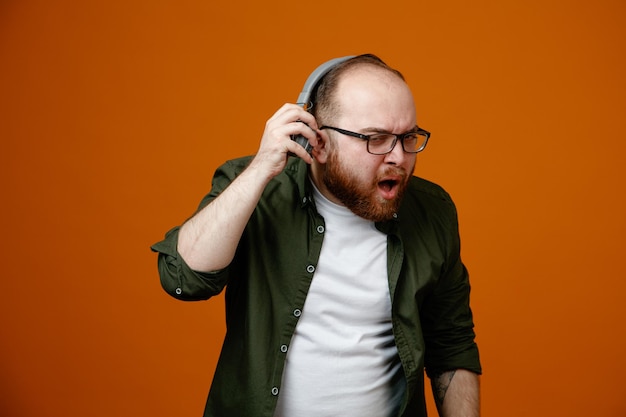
(268, 280)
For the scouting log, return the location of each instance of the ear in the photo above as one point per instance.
(320, 150)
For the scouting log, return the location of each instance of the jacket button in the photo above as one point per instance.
(283, 348)
(320, 229)
(310, 269)
(275, 391)
(297, 312)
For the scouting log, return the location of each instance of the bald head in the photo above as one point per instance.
(325, 103)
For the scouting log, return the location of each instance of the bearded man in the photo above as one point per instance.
(342, 269)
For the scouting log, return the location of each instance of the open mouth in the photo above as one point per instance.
(388, 185)
(389, 188)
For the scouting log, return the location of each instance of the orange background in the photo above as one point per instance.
(114, 115)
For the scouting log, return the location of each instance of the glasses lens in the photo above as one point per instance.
(414, 142)
(380, 144)
(384, 143)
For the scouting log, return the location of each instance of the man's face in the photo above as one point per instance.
(370, 101)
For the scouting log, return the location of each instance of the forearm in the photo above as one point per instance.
(457, 393)
(208, 241)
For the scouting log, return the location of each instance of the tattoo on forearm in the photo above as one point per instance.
(441, 383)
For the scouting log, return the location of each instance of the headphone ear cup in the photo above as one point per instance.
(310, 86)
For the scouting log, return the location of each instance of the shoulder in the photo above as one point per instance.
(427, 192)
(426, 201)
(238, 165)
(234, 167)
(290, 183)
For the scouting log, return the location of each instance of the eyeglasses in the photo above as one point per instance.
(382, 143)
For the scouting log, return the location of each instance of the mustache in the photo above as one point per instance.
(393, 172)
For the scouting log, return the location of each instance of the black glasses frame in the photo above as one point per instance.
(400, 137)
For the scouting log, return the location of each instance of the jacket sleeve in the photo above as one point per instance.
(177, 278)
(447, 319)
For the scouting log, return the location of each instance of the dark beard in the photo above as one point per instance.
(361, 200)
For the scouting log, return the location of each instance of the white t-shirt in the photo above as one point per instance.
(342, 360)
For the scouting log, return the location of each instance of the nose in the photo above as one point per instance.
(397, 156)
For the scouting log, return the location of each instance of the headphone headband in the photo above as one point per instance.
(305, 96)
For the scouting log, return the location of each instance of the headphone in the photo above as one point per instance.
(304, 99)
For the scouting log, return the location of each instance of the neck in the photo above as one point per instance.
(318, 171)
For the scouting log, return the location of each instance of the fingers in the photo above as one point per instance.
(291, 113)
(289, 121)
(276, 143)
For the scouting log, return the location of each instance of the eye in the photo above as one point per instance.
(380, 138)
(411, 138)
